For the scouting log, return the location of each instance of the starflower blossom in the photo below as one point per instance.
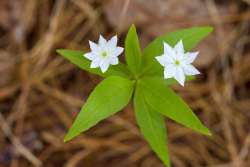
(104, 54)
(177, 63)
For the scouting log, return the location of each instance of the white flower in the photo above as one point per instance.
(176, 63)
(104, 53)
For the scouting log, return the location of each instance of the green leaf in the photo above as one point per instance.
(152, 126)
(77, 58)
(169, 81)
(190, 37)
(165, 101)
(110, 96)
(133, 51)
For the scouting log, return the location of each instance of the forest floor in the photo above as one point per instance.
(41, 93)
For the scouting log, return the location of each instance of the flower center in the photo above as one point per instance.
(104, 54)
(177, 62)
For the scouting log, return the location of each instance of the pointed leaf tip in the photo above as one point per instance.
(210, 28)
(59, 51)
(190, 37)
(102, 103)
(77, 58)
(66, 138)
(207, 132)
(133, 50)
(152, 126)
(171, 105)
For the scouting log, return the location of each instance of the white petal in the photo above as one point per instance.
(93, 46)
(169, 71)
(95, 63)
(104, 66)
(118, 50)
(179, 48)
(113, 41)
(190, 70)
(179, 76)
(89, 55)
(114, 61)
(190, 57)
(168, 50)
(102, 42)
(161, 60)
(164, 59)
